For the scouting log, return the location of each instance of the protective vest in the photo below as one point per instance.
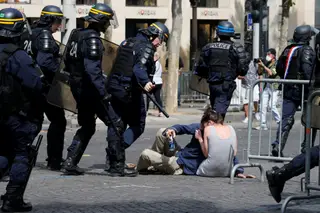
(123, 64)
(74, 58)
(11, 95)
(291, 61)
(219, 60)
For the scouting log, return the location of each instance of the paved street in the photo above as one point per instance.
(52, 192)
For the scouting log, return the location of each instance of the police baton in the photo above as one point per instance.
(154, 101)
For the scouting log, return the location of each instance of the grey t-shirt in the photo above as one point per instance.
(220, 157)
(251, 77)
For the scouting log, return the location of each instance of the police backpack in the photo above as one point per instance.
(10, 87)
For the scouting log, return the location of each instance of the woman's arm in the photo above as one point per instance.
(204, 142)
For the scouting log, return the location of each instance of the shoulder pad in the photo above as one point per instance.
(45, 42)
(144, 52)
(308, 55)
(238, 47)
(93, 48)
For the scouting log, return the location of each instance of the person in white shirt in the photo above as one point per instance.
(157, 79)
(246, 82)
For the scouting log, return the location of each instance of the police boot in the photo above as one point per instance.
(275, 150)
(107, 166)
(277, 178)
(73, 158)
(117, 159)
(275, 147)
(55, 164)
(13, 200)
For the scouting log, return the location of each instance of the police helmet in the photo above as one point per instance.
(225, 28)
(157, 29)
(12, 23)
(51, 14)
(303, 34)
(103, 14)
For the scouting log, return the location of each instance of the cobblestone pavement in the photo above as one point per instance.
(51, 192)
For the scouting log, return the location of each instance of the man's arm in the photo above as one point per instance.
(143, 56)
(243, 61)
(307, 62)
(93, 51)
(27, 73)
(185, 129)
(46, 47)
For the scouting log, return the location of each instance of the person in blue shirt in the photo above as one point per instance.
(168, 157)
(21, 93)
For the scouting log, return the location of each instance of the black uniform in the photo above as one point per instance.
(45, 52)
(83, 62)
(302, 60)
(301, 67)
(20, 103)
(221, 62)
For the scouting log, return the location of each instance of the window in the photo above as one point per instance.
(144, 3)
(86, 2)
(16, 1)
(208, 3)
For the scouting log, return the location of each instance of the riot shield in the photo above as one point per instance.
(198, 83)
(60, 94)
(109, 56)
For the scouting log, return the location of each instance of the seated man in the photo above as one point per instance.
(277, 177)
(177, 161)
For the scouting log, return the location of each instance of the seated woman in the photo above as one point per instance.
(219, 146)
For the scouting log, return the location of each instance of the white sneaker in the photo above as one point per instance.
(262, 127)
(257, 116)
(245, 120)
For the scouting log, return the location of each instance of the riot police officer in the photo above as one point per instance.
(44, 50)
(222, 62)
(302, 60)
(83, 62)
(20, 121)
(131, 74)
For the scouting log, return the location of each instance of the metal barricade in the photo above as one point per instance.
(308, 185)
(258, 156)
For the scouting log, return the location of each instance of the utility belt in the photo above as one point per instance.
(227, 85)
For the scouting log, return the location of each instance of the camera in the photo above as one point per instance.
(256, 60)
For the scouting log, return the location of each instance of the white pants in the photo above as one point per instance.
(269, 98)
(245, 92)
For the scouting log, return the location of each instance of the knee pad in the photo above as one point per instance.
(19, 169)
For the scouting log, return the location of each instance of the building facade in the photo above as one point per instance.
(135, 14)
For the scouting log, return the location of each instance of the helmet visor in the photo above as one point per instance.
(26, 24)
(114, 21)
(62, 21)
